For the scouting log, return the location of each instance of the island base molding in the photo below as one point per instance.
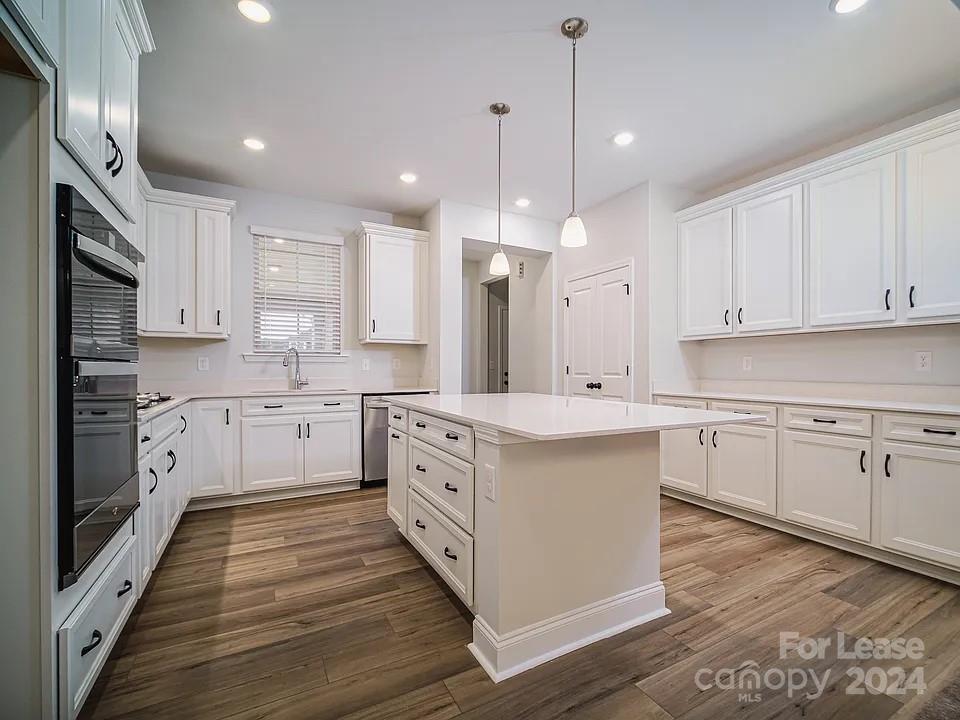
(868, 551)
(503, 656)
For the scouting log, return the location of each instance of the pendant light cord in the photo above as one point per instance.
(573, 137)
(499, 142)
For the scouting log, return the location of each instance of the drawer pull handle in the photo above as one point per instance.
(398, 417)
(886, 465)
(452, 436)
(886, 299)
(155, 481)
(421, 425)
(127, 587)
(145, 438)
(446, 551)
(825, 422)
(419, 524)
(421, 468)
(951, 433)
(863, 459)
(451, 488)
(184, 421)
(272, 407)
(332, 404)
(95, 640)
(742, 412)
(701, 437)
(394, 436)
(714, 438)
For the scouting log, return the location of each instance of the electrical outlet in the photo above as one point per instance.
(747, 363)
(203, 363)
(365, 364)
(490, 489)
(923, 361)
(396, 363)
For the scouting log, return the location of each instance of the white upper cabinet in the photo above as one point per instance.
(170, 282)
(706, 271)
(40, 21)
(931, 283)
(393, 284)
(853, 244)
(769, 253)
(213, 272)
(97, 86)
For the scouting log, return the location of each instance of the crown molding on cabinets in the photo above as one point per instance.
(393, 231)
(899, 140)
(139, 25)
(170, 197)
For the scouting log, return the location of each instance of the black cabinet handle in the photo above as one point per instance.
(589, 386)
(421, 468)
(394, 436)
(419, 524)
(308, 431)
(299, 431)
(118, 168)
(98, 412)
(863, 460)
(156, 480)
(451, 488)
(825, 422)
(116, 152)
(420, 425)
(173, 456)
(701, 436)
(272, 407)
(714, 438)
(145, 438)
(373, 325)
(398, 417)
(740, 316)
(218, 317)
(913, 289)
(184, 421)
(931, 431)
(127, 587)
(726, 317)
(95, 639)
(182, 311)
(886, 298)
(886, 465)
(452, 436)
(331, 404)
(446, 551)
(228, 415)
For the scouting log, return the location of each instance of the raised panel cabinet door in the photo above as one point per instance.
(580, 311)
(143, 523)
(184, 454)
(332, 447)
(853, 236)
(613, 328)
(159, 502)
(213, 272)
(40, 17)
(397, 449)
(769, 254)
(706, 275)
(394, 288)
(932, 195)
(919, 497)
(743, 467)
(271, 450)
(171, 266)
(120, 55)
(827, 482)
(683, 460)
(214, 425)
(170, 460)
(80, 81)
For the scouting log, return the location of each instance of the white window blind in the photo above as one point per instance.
(297, 295)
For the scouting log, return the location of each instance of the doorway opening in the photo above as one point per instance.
(498, 335)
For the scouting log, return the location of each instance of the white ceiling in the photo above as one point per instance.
(347, 95)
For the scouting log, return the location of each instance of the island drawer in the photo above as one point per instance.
(445, 480)
(767, 412)
(87, 636)
(840, 422)
(299, 405)
(398, 418)
(450, 436)
(447, 548)
(930, 430)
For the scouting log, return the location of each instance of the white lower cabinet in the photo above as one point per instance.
(683, 453)
(826, 482)
(444, 545)
(164, 499)
(919, 497)
(331, 451)
(216, 446)
(398, 448)
(272, 452)
(143, 522)
(743, 467)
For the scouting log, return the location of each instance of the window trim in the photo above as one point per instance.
(296, 235)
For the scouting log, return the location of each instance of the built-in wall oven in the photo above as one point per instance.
(97, 481)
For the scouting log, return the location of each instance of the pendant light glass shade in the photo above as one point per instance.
(574, 234)
(499, 265)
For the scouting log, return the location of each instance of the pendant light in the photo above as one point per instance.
(574, 234)
(499, 265)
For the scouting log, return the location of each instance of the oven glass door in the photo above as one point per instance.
(105, 481)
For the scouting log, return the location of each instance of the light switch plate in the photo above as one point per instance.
(365, 364)
(203, 363)
(490, 483)
(747, 363)
(923, 361)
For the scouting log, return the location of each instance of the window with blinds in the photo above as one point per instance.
(297, 295)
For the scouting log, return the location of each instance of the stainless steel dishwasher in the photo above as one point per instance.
(375, 423)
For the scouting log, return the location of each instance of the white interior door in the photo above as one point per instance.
(743, 467)
(768, 259)
(932, 286)
(332, 447)
(706, 272)
(613, 331)
(853, 239)
(171, 268)
(578, 336)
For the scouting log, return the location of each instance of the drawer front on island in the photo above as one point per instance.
(443, 479)
(827, 420)
(398, 418)
(298, 404)
(446, 547)
(452, 437)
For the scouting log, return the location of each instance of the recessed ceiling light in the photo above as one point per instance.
(254, 144)
(256, 11)
(408, 178)
(623, 138)
(842, 7)
(522, 202)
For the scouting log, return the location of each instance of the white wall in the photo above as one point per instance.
(171, 364)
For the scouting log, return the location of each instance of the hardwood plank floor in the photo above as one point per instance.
(316, 608)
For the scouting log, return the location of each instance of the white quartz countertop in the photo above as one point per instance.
(854, 404)
(555, 417)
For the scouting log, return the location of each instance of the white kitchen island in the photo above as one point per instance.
(541, 512)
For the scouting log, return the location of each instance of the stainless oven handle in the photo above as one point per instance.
(92, 368)
(125, 269)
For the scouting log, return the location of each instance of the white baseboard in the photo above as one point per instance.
(219, 501)
(503, 656)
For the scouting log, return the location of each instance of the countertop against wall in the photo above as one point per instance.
(858, 404)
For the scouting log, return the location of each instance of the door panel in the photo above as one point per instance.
(81, 121)
(120, 64)
(580, 316)
(743, 467)
(394, 288)
(171, 267)
(332, 447)
(706, 275)
(397, 478)
(213, 466)
(271, 450)
(614, 335)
